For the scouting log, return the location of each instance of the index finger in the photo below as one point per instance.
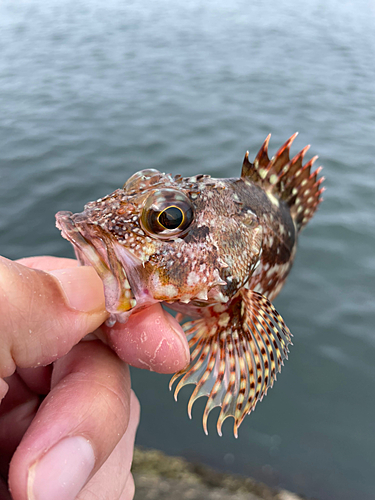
(47, 262)
(42, 315)
(151, 338)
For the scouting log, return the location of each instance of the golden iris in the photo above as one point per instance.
(167, 214)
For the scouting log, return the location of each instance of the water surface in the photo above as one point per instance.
(92, 91)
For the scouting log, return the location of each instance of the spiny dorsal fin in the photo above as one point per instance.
(252, 171)
(287, 178)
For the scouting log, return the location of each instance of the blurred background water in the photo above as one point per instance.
(91, 91)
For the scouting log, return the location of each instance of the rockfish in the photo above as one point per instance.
(216, 250)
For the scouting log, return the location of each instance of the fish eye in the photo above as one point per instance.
(167, 214)
(171, 217)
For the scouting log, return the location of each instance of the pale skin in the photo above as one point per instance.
(68, 417)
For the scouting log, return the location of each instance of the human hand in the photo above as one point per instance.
(68, 428)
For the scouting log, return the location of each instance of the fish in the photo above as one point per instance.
(217, 251)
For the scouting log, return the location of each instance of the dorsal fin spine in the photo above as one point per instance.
(287, 178)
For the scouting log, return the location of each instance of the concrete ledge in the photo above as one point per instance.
(161, 477)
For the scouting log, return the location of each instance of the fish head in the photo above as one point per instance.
(163, 238)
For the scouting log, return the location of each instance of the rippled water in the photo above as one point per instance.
(92, 91)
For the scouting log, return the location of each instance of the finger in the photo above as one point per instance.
(129, 490)
(77, 426)
(47, 263)
(38, 379)
(42, 315)
(151, 339)
(16, 413)
(113, 479)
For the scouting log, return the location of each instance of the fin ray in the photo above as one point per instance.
(234, 365)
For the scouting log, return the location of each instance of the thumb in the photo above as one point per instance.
(42, 315)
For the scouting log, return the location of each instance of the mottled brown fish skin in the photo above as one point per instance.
(279, 237)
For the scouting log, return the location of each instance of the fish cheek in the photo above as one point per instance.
(190, 273)
(166, 284)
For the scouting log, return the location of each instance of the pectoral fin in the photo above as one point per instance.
(237, 350)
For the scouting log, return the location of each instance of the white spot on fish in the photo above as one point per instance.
(219, 308)
(273, 179)
(224, 319)
(273, 199)
(169, 291)
(193, 278)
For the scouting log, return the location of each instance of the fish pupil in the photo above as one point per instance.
(171, 218)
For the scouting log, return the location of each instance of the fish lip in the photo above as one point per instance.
(119, 269)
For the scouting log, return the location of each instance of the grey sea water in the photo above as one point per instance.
(92, 91)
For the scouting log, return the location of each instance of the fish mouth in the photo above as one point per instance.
(121, 272)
